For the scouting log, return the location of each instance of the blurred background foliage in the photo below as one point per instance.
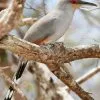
(84, 29)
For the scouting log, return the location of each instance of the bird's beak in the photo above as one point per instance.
(86, 3)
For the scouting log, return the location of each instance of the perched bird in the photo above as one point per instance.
(49, 29)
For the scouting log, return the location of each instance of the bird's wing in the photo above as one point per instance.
(41, 29)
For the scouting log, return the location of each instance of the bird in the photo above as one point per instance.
(48, 29)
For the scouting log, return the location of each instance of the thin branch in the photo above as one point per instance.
(30, 7)
(27, 21)
(44, 7)
(11, 18)
(88, 75)
(46, 88)
(65, 76)
(17, 90)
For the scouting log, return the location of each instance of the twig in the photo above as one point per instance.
(44, 7)
(11, 18)
(65, 76)
(24, 21)
(27, 21)
(46, 88)
(30, 7)
(87, 76)
(17, 90)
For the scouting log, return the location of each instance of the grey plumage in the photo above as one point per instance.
(53, 25)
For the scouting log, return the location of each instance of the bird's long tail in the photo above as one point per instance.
(17, 76)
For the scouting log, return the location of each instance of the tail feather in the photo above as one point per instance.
(20, 71)
(17, 76)
(9, 94)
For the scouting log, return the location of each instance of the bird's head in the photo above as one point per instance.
(78, 3)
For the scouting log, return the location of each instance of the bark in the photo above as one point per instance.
(11, 17)
(46, 88)
(54, 55)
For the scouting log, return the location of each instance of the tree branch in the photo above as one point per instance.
(11, 17)
(50, 53)
(65, 76)
(53, 55)
(17, 90)
(28, 21)
(88, 75)
(46, 88)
